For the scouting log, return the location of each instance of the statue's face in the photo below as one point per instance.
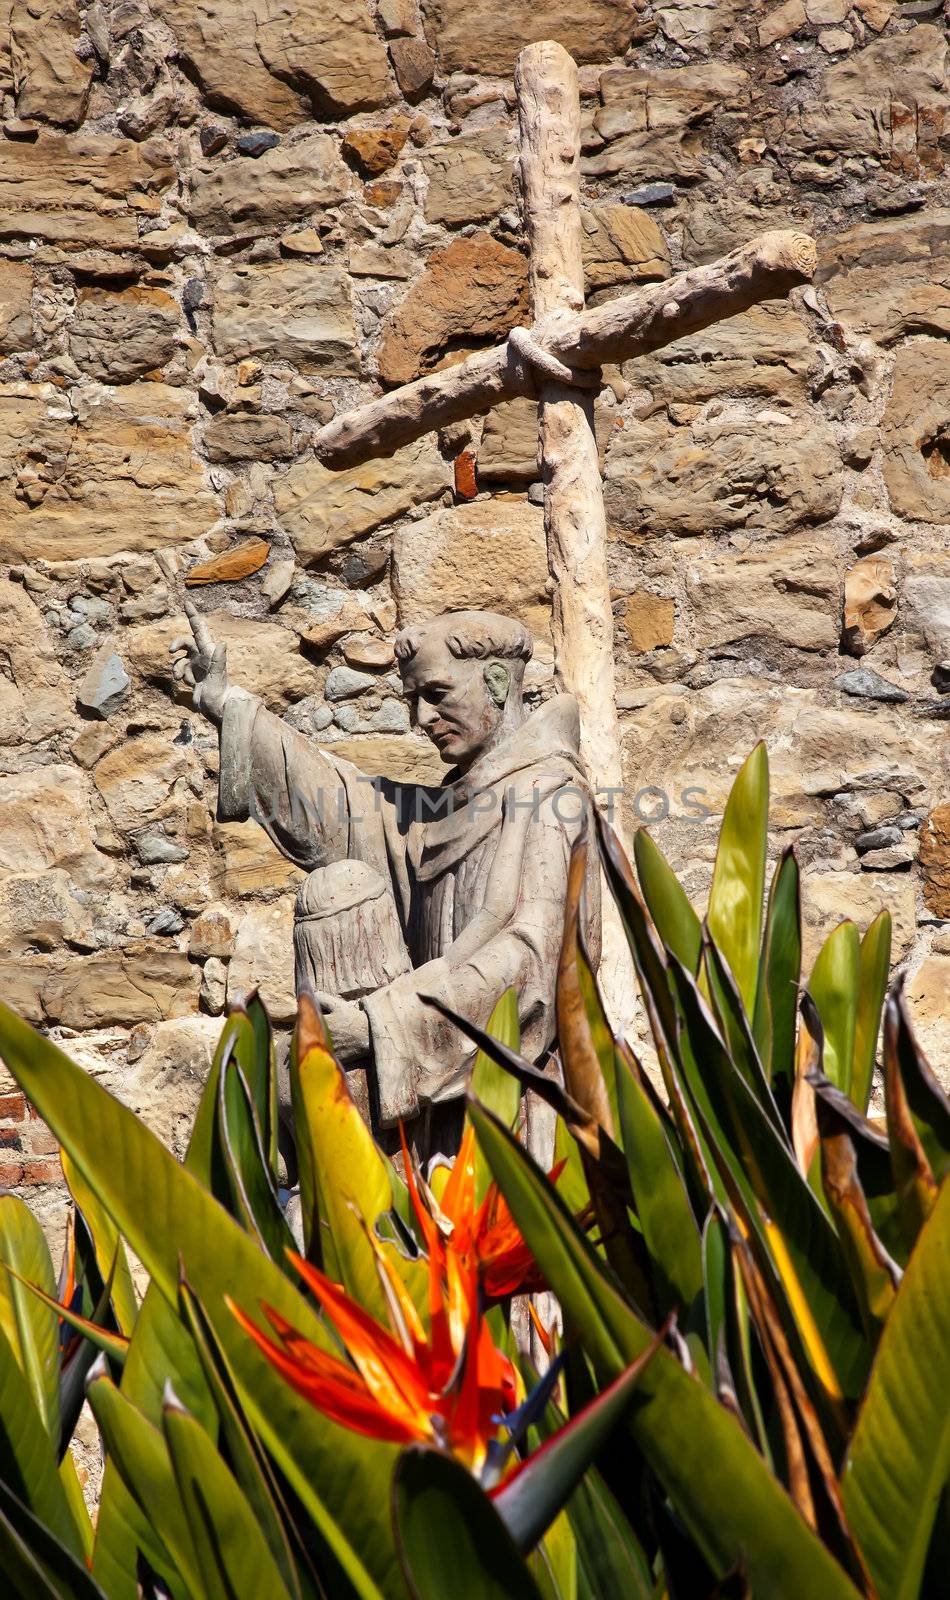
(451, 701)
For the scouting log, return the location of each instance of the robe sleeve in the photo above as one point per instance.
(315, 807)
(513, 942)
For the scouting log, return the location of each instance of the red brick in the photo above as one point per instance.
(13, 1106)
(11, 1174)
(42, 1172)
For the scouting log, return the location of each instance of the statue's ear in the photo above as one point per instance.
(498, 679)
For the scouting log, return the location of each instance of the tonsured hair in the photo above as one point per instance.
(469, 636)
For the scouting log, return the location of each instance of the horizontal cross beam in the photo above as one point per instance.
(646, 319)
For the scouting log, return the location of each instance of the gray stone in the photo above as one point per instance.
(868, 685)
(105, 684)
(154, 849)
(343, 682)
(877, 839)
(82, 637)
(650, 194)
(168, 921)
(214, 985)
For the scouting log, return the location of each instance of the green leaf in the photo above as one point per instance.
(874, 1274)
(28, 1548)
(833, 986)
(451, 1539)
(529, 1502)
(673, 917)
(165, 1213)
(491, 1085)
(114, 1345)
(727, 1007)
(662, 1204)
(232, 1553)
(795, 1232)
(898, 1461)
(776, 996)
(735, 898)
(31, 1327)
(141, 1457)
(254, 1195)
(109, 1248)
(28, 1455)
(677, 1424)
(874, 967)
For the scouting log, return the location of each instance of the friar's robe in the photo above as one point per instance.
(478, 868)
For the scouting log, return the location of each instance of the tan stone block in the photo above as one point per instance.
(509, 448)
(475, 289)
(764, 351)
(36, 698)
(119, 335)
(22, 982)
(263, 958)
(653, 121)
(40, 912)
(622, 244)
(479, 36)
(781, 23)
(928, 996)
(16, 319)
(294, 180)
(212, 933)
(935, 862)
(768, 472)
(163, 1083)
(375, 150)
(136, 779)
(118, 474)
(267, 60)
(287, 311)
(81, 189)
(914, 434)
(146, 982)
(832, 897)
(649, 620)
(406, 759)
(46, 821)
(248, 864)
(489, 554)
(788, 591)
(470, 177)
(323, 510)
(870, 602)
(52, 82)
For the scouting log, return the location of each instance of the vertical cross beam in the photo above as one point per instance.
(575, 525)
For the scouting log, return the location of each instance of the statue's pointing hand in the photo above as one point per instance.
(202, 664)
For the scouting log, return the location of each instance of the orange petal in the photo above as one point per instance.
(458, 1199)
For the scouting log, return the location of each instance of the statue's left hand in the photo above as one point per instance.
(348, 1026)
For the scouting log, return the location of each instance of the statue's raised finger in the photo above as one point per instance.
(199, 628)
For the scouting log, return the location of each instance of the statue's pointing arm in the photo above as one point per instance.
(267, 771)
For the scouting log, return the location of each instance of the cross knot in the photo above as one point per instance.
(532, 361)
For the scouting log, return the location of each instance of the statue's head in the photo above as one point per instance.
(463, 675)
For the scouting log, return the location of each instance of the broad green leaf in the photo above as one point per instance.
(114, 1345)
(34, 1562)
(141, 1458)
(874, 967)
(254, 1195)
(31, 1327)
(833, 985)
(898, 1461)
(28, 1464)
(795, 1231)
(928, 1104)
(584, 1039)
(663, 1209)
(247, 1459)
(673, 917)
(529, 1502)
(610, 1559)
(231, 1551)
(677, 1424)
(874, 1274)
(262, 1078)
(776, 996)
(451, 1539)
(165, 1214)
(109, 1248)
(730, 1014)
(491, 1085)
(735, 898)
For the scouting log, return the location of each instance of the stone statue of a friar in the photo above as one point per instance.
(455, 891)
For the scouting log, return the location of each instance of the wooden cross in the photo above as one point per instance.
(558, 361)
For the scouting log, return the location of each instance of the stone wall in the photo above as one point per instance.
(220, 224)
